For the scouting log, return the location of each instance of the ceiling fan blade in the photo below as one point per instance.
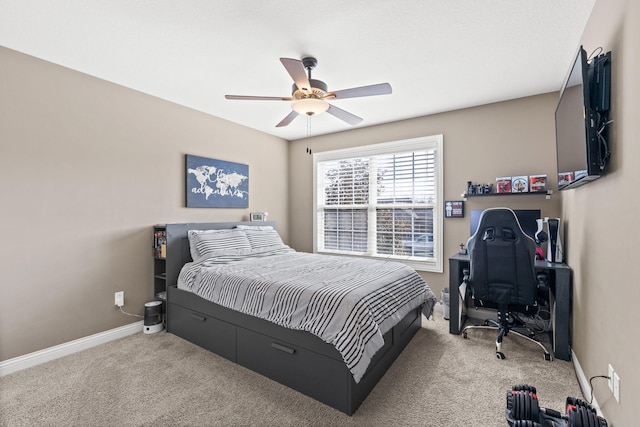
(296, 71)
(259, 98)
(379, 89)
(343, 115)
(292, 115)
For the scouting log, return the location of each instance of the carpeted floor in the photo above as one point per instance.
(162, 380)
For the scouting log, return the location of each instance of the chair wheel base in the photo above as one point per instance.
(500, 355)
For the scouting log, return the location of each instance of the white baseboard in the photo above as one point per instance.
(584, 383)
(32, 359)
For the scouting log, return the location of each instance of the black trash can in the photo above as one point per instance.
(153, 317)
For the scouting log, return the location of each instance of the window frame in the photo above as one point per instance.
(432, 142)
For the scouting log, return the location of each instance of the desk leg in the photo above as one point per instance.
(562, 325)
(455, 278)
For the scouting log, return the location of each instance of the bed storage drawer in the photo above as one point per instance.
(203, 330)
(313, 374)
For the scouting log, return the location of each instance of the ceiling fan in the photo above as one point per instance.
(310, 96)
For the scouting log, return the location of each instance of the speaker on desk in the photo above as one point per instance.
(153, 317)
(554, 246)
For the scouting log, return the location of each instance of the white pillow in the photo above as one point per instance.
(254, 227)
(207, 243)
(260, 239)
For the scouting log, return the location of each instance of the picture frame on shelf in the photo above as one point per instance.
(503, 184)
(520, 184)
(565, 178)
(538, 183)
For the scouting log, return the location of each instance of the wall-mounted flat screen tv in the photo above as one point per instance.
(582, 116)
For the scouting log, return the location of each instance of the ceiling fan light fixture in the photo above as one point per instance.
(310, 106)
(310, 96)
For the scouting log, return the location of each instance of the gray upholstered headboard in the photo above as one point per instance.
(178, 253)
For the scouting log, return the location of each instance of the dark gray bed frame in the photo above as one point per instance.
(297, 359)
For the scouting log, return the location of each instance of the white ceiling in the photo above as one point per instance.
(438, 55)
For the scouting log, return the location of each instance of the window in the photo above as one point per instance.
(382, 200)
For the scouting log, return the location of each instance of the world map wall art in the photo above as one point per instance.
(215, 183)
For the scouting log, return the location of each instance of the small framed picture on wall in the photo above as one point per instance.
(454, 209)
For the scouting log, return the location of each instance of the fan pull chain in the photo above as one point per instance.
(309, 135)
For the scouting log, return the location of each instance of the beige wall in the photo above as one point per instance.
(503, 139)
(86, 168)
(602, 225)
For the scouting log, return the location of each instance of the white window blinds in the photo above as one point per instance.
(381, 200)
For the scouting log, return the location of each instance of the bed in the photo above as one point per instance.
(259, 304)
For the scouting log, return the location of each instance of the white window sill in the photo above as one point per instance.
(417, 263)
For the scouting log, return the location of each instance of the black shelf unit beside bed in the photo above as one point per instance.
(297, 359)
(160, 262)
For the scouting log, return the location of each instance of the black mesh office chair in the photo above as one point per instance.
(502, 274)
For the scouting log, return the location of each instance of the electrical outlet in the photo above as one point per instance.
(610, 375)
(119, 298)
(616, 386)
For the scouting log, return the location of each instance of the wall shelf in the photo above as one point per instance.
(547, 194)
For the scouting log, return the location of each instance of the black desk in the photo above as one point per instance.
(559, 301)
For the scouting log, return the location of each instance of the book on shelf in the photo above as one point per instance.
(160, 244)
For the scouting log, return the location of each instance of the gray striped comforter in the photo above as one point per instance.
(347, 302)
